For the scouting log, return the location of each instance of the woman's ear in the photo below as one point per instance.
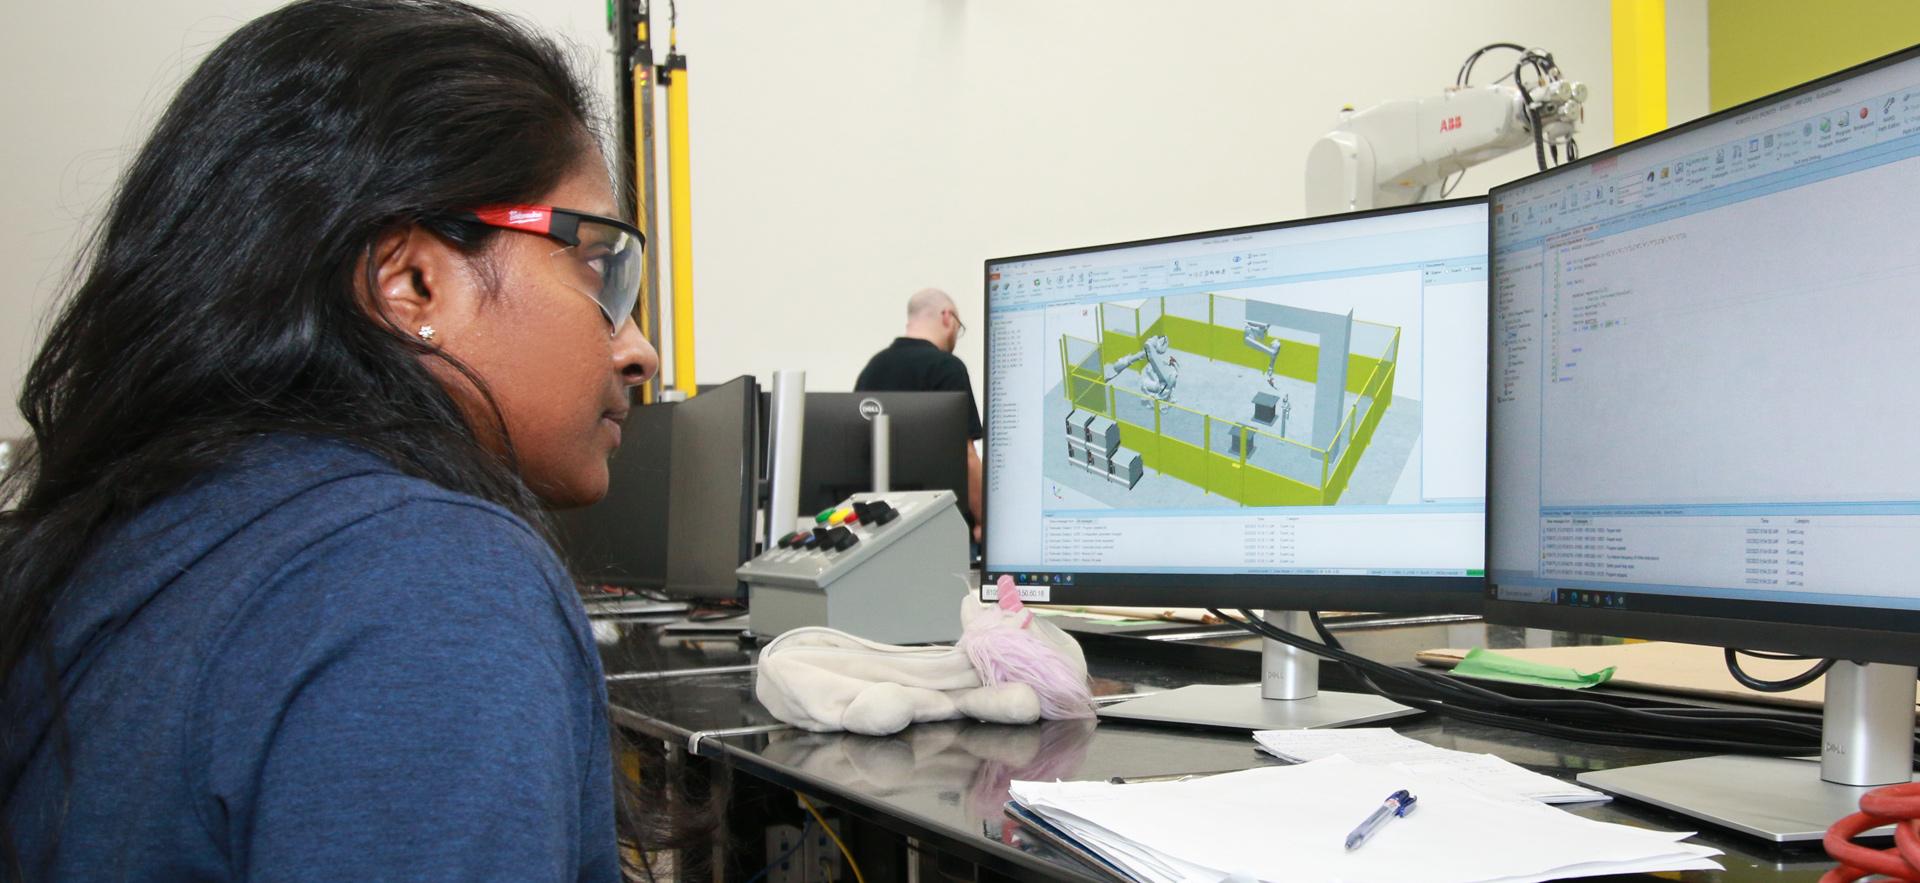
(419, 282)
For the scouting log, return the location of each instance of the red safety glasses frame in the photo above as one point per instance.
(606, 251)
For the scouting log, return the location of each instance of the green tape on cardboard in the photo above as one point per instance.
(1483, 663)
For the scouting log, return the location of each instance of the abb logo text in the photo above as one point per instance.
(1449, 124)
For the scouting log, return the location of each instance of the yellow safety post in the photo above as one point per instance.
(673, 75)
(1639, 68)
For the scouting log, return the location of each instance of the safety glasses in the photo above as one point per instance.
(602, 255)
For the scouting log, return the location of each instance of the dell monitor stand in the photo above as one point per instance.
(1288, 696)
(1866, 740)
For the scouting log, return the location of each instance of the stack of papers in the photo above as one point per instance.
(1382, 746)
(1290, 823)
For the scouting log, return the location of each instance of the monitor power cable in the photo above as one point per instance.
(1820, 667)
(1671, 727)
(1680, 730)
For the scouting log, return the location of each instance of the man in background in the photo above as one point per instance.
(922, 360)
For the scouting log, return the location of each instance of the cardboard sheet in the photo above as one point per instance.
(1682, 669)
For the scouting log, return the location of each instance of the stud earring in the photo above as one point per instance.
(426, 333)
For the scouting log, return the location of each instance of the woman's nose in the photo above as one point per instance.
(637, 360)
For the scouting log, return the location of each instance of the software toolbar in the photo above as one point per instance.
(1778, 146)
(1224, 261)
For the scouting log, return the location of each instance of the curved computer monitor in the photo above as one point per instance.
(1288, 416)
(1702, 419)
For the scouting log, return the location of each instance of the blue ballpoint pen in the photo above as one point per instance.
(1399, 803)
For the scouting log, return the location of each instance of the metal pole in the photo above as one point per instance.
(882, 453)
(680, 215)
(786, 426)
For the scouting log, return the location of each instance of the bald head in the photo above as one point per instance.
(931, 316)
(926, 304)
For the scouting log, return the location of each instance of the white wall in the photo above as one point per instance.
(847, 153)
(845, 157)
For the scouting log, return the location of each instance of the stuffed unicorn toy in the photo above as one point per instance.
(1009, 667)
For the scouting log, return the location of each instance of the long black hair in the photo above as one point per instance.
(222, 297)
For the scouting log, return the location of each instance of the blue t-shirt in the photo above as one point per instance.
(308, 666)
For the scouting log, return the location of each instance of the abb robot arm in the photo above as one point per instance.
(1399, 152)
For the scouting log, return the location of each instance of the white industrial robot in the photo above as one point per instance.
(1403, 151)
(1256, 337)
(1160, 372)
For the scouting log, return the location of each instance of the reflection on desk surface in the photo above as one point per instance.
(976, 760)
(946, 780)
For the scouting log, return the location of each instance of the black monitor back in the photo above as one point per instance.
(622, 540)
(714, 490)
(679, 513)
(928, 430)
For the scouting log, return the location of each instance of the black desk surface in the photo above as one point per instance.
(944, 783)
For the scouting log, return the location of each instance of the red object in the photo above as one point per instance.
(1896, 804)
(537, 218)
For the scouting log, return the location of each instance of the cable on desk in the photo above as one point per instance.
(797, 843)
(1673, 727)
(1685, 722)
(1896, 804)
(1780, 686)
(1432, 680)
(857, 876)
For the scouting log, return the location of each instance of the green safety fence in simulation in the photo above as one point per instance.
(1243, 463)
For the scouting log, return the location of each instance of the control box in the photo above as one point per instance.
(888, 567)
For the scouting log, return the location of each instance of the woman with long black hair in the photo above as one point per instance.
(277, 598)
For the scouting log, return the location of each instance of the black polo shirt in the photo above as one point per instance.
(915, 365)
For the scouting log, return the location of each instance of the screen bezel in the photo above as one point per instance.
(1280, 591)
(1824, 630)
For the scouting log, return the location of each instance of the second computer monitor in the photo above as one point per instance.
(1285, 417)
(929, 431)
(1702, 415)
